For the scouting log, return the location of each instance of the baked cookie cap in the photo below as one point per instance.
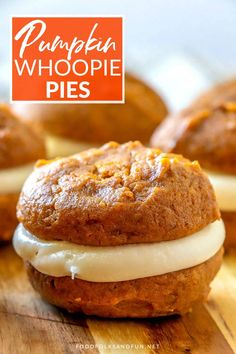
(117, 194)
(208, 136)
(19, 144)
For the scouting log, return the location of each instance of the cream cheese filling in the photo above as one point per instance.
(118, 263)
(12, 179)
(225, 190)
(57, 146)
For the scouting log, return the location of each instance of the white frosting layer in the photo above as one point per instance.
(57, 146)
(12, 179)
(119, 263)
(225, 190)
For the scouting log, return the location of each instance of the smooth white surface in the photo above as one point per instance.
(57, 146)
(119, 263)
(225, 190)
(12, 179)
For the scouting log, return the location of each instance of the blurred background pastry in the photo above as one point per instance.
(20, 147)
(208, 134)
(220, 93)
(70, 128)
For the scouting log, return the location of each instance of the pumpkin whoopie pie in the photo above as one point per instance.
(120, 231)
(71, 128)
(20, 147)
(209, 136)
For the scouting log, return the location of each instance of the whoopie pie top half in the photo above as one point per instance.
(207, 135)
(218, 94)
(117, 194)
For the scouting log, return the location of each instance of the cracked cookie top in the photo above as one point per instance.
(117, 194)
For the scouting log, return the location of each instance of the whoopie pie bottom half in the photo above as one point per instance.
(167, 294)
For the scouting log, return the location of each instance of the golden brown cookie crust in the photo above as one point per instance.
(8, 220)
(19, 144)
(98, 123)
(115, 195)
(229, 219)
(208, 136)
(172, 293)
